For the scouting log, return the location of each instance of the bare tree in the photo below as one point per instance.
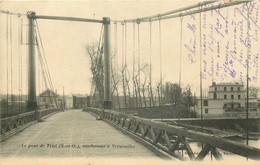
(124, 85)
(127, 80)
(116, 80)
(175, 96)
(95, 53)
(139, 90)
(136, 89)
(151, 95)
(187, 98)
(253, 91)
(155, 98)
(158, 93)
(145, 71)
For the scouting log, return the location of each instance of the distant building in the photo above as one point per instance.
(48, 99)
(253, 104)
(68, 102)
(227, 99)
(80, 102)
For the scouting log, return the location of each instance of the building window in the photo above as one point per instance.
(232, 106)
(239, 97)
(225, 105)
(232, 96)
(225, 96)
(206, 111)
(232, 88)
(238, 88)
(205, 103)
(225, 88)
(239, 105)
(215, 95)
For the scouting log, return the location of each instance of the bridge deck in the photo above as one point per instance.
(72, 127)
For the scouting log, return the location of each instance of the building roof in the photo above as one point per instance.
(226, 84)
(79, 95)
(230, 84)
(48, 93)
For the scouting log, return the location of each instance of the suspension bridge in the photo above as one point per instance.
(33, 129)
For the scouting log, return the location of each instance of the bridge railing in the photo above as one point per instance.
(14, 124)
(48, 111)
(171, 138)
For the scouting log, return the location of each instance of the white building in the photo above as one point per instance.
(227, 99)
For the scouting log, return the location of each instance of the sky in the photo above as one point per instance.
(69, 65)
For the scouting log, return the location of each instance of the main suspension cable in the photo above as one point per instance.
(100, 39)
(176, 13)
(45, 61)
(11, 13)
(42, 63)
(44, 56)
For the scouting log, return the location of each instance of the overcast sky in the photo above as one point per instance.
(64, 41)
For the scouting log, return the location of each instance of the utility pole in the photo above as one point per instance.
(63, 100)
(247, 73)
(32, 102)
(107, 68)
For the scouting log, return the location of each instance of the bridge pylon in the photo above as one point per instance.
(107, 64)
(31, 102)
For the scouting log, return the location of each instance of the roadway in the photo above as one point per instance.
(72, 133)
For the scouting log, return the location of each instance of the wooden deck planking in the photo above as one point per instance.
(71, 127)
